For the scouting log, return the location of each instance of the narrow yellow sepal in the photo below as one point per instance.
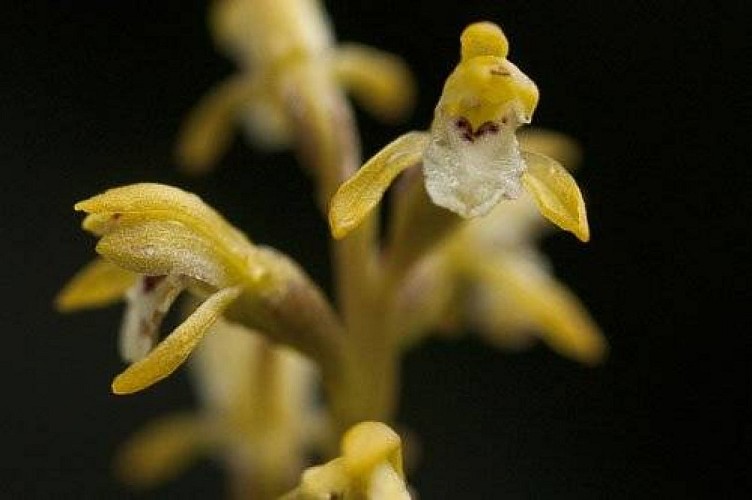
(151, 201)
(379, 81)
(162, 450)
(209, 128)
(97, 284)
(176, 347)
(166, 247)
(355, 199)
(544, 304)
(556, 193)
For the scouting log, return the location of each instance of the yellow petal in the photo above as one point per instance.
(165, 247)
(207, 131)
(545, 305)
(151, 201)
(361, 193)
(162, 450)
(174, 349)
(98, 284)
(556, 145)
(556, 194)
(381, 82)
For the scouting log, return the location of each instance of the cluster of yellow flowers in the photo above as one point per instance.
(459, 251)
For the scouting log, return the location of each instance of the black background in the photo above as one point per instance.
(92, 93)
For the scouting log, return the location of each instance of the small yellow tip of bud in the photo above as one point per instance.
(483, 39)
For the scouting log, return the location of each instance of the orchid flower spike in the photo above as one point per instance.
(370, 467)
(471, 157)
(156, 242)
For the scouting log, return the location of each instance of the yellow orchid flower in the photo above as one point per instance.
(471, 158)
(259, 415)
(155, 242)
(370, 467)
(512, 293)
(489, 274)
(290, 69)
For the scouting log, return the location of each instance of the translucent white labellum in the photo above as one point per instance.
(468, 171)
(147, 302)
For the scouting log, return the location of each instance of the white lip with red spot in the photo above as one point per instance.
(147, 302)
(469, 171)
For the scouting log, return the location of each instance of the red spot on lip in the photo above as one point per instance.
(466, 129)
(148, 283)
(487, 128)
(463, 124)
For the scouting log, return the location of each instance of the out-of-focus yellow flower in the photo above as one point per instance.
(471, 157)
(290, 73)
(158, 241)
(370, 467)
(259, 415)
(489, 275)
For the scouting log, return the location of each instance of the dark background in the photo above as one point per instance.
(91, 96)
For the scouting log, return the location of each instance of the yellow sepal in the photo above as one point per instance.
(176, 347)
(165, 247)
(542, 303)
(379, 81)
(209, 128)
(556, 193)
(97, 284)
(162, 450)
(355, 199)
(150, 201)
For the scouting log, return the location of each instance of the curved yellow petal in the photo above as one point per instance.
(361, 193)
(556, 194)
(207, 131)
(166, 247)
(379, 81)
(174, 349)
(98, 284)
(544, 304)
(162, 450)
